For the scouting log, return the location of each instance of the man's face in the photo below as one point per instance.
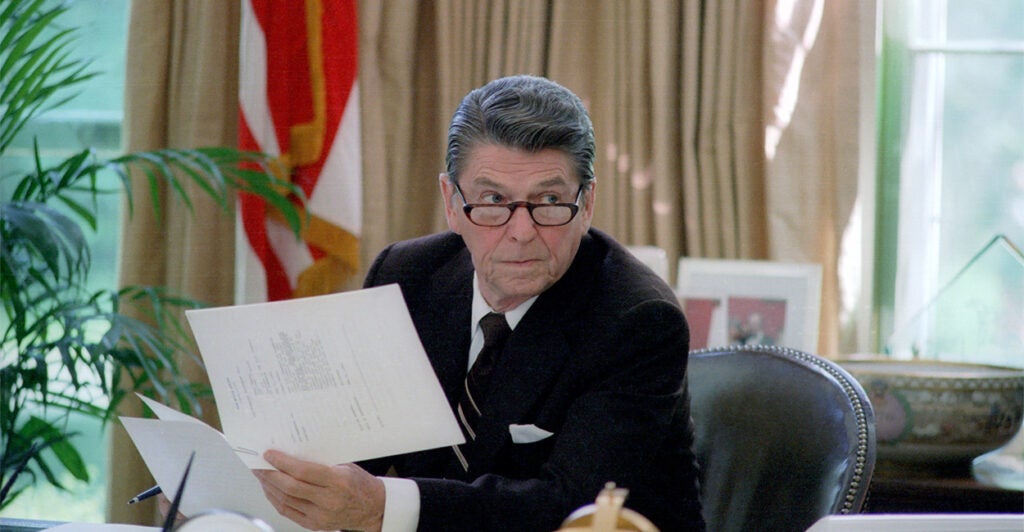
(520, 259)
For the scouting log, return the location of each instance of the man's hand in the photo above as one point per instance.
(321, 497)
(164, 504)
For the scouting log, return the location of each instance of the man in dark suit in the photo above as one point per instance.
(588, 387)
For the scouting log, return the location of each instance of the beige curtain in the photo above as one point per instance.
(674, 91)
(814, 58)
(681, 93)
(675, 169)
(417, 60)
(181, 92)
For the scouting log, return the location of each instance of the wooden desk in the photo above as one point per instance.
(940, 495)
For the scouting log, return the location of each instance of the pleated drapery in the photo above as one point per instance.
(181, 92)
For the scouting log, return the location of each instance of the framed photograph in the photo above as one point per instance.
(729, 302)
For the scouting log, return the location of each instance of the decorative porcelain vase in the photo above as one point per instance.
(944, 414)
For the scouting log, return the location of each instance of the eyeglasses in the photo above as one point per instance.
(498, 214)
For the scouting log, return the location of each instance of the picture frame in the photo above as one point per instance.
(730, 302)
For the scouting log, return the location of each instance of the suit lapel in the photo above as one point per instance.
(444, 327)
(532, 359)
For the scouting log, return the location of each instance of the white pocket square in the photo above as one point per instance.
(528, 433)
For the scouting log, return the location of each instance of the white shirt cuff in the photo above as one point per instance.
(401, 505)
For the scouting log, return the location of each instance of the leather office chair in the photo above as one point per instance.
(783, 438)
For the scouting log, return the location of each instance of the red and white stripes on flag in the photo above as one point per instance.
(299, 101)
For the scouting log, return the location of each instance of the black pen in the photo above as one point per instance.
(145, 495)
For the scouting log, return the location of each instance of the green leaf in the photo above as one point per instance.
(35, 66)
(71, 459)
(51, 437)
(48, 236)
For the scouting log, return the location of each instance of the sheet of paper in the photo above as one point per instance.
(218, 478)
(330, 379)
(167, 413)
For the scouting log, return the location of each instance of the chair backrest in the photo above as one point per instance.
(783, 437)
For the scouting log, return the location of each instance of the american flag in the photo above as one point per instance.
(299, 101)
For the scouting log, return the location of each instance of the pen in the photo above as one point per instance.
(145, 495)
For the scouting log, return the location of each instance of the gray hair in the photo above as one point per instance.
(523, 112)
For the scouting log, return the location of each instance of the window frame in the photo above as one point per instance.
(897, 53)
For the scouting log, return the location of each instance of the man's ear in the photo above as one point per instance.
(589, 197)
(451, 213)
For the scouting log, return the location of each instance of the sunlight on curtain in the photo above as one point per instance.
(791, 36)
(814, 176)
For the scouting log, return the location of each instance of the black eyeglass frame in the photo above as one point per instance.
(468, 207)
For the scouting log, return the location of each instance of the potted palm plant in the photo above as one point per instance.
(65, 347)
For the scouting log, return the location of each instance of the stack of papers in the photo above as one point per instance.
(329, 379)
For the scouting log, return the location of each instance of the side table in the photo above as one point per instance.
(940, 495)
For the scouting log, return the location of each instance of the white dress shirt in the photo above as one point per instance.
(402, 495)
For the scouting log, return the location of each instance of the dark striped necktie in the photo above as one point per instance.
(496, 331)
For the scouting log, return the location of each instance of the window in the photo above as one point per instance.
(951, 179)
(91, 119)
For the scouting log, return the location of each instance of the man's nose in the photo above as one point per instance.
(521, 225)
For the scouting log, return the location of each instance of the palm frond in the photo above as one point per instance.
(36, 233)
(219, 172)
(35, 64)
